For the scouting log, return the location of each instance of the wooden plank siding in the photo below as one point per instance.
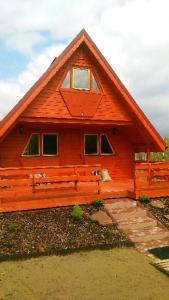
(70, 151)
(152, 179)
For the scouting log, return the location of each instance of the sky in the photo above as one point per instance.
(133, 35)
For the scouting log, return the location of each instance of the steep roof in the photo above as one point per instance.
(55, 66)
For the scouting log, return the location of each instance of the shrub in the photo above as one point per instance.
(107, 233)
(12, 227)
(77, 212)
(98, 203)
(144, 199)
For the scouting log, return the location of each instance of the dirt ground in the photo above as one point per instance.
(117, 274)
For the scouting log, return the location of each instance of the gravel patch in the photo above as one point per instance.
(54, 230)
(160, 212)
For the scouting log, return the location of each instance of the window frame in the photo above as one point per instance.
(99, 153)
(70, 76)
(32, 155)
(93, 154)
(106, 154)
(90, 81)
(49, 133)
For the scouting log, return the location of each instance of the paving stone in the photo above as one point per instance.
(138, 224)
(144, 246)
(122, 210)
(146, 232)
(120, 203)
(157, 203)
(147, 238)
(162, 265)
(135, 220)
(101, 217)
(127, 215)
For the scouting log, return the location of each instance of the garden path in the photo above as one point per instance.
(139, 225)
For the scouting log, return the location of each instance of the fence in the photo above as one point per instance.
(36, 182)
(151, 179)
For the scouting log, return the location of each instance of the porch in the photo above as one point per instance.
(26, 188)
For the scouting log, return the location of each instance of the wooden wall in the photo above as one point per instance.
(50, 104)
(71, 150)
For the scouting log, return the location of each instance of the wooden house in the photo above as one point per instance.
(77, 120)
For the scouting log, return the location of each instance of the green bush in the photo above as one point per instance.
(77, 212)
(144, 199)
(12, 227)
(98, 203)
(107, 233)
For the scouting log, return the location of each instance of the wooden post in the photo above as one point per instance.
(33, 183)
(76, 181)
(135, 177)
(148, 155)
(149, 165)
(99, 187)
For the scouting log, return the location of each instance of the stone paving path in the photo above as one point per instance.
(137, 223)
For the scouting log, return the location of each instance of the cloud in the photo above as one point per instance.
(132, 35)
(13, 90)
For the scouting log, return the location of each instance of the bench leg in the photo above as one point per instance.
(76, 186)
(99, 187)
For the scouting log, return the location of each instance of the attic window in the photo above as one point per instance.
(80, 79)
(66, 82)
(94, 84)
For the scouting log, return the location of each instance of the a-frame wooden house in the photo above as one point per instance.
(77, 120)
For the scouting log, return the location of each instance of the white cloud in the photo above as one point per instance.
(13, 90)
(132, 34)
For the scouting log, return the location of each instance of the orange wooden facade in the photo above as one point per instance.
(71, 113)
(70, 150)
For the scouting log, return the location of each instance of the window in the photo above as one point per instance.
(80, 79)
(66, 82)
(95, 144)
(105, 145)
(45, 144)
(32, 147)
(94, 84)
(91, 144)
(49, 144)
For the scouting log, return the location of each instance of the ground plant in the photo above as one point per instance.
(107, 233)
(77, 212)
(12, 227)
(144, 199)
(98, 203)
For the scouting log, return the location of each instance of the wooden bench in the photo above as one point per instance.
(79, 174)
(21, 182)
(52, 182)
